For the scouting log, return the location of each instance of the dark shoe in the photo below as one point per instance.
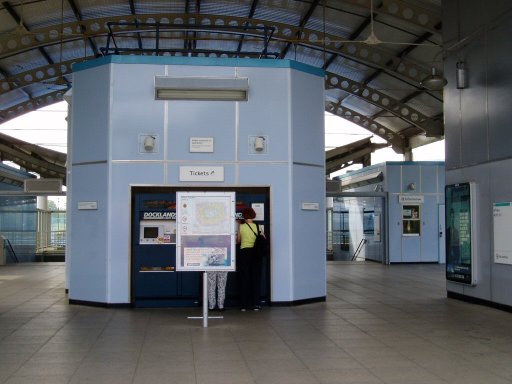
(221, 309)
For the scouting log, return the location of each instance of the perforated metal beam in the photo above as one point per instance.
(31, 105)
(413, 14)
(401, 68)
(387, 103)
(397, 142)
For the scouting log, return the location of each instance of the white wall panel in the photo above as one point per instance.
(214, 119)
(309, 246)
(134, 111)
(88, 275)
(307, 119)
(91, 113)
(267, 114)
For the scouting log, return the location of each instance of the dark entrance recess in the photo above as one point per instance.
(154, 281)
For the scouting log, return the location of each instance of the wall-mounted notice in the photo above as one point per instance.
(205, 231)
(502, 216)
(201, 144)
(310, 206)
(87, 205)
(411, 199)
(259, 208)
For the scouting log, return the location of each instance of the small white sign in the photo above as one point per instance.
(201, 144)
(406, 199)
(259, 208)
(87, 205)
(502, 216)
(202, 173)
(310, 206)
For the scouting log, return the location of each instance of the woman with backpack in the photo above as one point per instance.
(248, 263)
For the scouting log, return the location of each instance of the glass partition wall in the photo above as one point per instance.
(355, 228)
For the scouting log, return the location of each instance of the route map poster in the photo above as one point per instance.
(205, 231)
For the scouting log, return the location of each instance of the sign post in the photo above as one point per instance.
(205, 235)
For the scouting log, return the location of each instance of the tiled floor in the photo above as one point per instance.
(380, 324)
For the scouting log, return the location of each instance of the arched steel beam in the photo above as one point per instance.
(302, 24)
(31, 105)
(385, 102)
(19, 21)
(401, 68)
(250, 16)
(398, 143)
(78, 16)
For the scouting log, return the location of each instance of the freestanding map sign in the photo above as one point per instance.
(205, 235)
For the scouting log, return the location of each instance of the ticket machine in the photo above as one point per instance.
(155, 281)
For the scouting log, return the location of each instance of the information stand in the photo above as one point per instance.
(205, 236)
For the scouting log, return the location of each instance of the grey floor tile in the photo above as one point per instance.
(166, 366)
(266, 366)
(158, 355)
(405, 375)
(165, 378)
(225, 378)
(105, 368)
(286, 377)
(34, 368)
(95, 378)
(346, 376)
(213, 367)
(57, 357)
(37, 379)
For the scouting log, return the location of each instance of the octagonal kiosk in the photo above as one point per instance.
(144, 128)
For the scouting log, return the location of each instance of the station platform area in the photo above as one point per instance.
(380, 324)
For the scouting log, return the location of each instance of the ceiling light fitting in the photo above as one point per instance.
(201, 88)
(434, 82)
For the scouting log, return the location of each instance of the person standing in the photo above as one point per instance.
(216, 289)
(249, 264)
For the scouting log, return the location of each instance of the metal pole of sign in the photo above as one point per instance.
(205, 300)
(205, 316)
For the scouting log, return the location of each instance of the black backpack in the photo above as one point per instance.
(260, 244)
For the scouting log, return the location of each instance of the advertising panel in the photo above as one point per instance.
(205, 232)
(460, 230)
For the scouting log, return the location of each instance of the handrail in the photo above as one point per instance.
(359, 248)
(11, 250)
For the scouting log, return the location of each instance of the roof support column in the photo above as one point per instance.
(408, 154)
